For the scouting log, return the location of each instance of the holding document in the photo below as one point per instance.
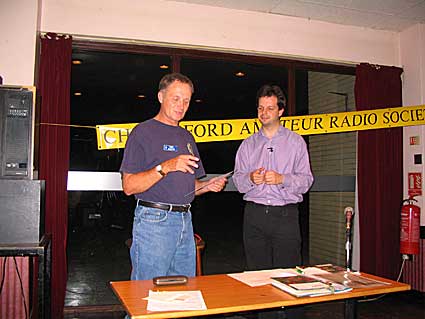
(161, 165)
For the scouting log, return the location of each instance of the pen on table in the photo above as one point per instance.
(299, 270)
(331, 287)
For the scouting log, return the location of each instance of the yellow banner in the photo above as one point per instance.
(115, 135)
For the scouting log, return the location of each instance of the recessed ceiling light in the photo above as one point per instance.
(240, 74)
(141, 96)
(77, 61)
(164, 66)
(198, 100)
(78, 93)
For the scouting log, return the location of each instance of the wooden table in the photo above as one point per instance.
(223, 294)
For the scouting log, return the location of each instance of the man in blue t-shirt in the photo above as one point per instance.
(161, 167)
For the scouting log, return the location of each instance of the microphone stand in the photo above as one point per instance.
(348, 217)
(350, 304)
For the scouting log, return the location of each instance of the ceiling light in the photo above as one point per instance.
(141, 96)
(240, 74)
(77, 61)
(164, 66)
(198, 100)
(78, 93)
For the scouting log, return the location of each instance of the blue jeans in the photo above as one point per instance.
(163, 244)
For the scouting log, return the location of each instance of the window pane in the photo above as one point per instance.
(100, 222)
(333, 157)
(115, 88)
(221, 92)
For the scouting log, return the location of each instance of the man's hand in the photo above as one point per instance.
(182, 163)
(273, 178)
(142, 181)
(257, 176)
(216, 184)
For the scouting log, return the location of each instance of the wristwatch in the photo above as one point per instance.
(158, 168)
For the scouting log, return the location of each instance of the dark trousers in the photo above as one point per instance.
(272, 236)
(272, 239)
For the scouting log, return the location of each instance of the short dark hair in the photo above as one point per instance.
(172, 77)
(272, 90)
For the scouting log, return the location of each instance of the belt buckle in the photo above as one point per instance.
(180, 207)
(185, 208)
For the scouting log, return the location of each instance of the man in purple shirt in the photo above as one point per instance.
(161, 168)
(272, 169)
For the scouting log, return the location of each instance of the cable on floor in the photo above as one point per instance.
(404, 257)
(79, 293)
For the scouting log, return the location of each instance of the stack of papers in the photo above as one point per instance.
(352, 280)
(301, 286)
(302, 281)
(339, 275)
(308, 281)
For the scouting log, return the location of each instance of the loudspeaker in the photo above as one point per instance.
(17, 121)
(21, 211)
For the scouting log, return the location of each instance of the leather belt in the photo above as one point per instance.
(167, 207)
(271, 206)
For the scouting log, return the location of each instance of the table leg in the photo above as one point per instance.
(48, 280)
(44, 280)
(40, 283)
(350, 309)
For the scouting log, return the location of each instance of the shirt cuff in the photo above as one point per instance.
(287, 180)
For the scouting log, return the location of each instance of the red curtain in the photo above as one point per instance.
(54, 90)
(380, 172)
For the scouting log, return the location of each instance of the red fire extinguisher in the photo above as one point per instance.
(409, 227)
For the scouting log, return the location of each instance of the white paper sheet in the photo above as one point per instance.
(261, 277)
(175, 300)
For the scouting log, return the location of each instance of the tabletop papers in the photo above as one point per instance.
(327, 278)
(338, 275)
(175, 300)
(261, 277)
(302, 285)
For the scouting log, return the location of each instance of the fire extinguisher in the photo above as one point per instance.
(409, 227)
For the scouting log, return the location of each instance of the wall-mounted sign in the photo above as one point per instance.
(414, 140)
(414, 184)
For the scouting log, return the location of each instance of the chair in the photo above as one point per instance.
(200, 245)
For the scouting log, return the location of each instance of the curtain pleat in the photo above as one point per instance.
(380, 172)
(54, 90)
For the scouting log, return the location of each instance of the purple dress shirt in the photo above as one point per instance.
(285, 153)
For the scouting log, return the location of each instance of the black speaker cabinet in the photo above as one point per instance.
(17, 121)
(21, 211)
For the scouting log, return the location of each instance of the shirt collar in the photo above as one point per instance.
(280, 132)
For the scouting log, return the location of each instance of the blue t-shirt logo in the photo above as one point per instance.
(170, 148)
